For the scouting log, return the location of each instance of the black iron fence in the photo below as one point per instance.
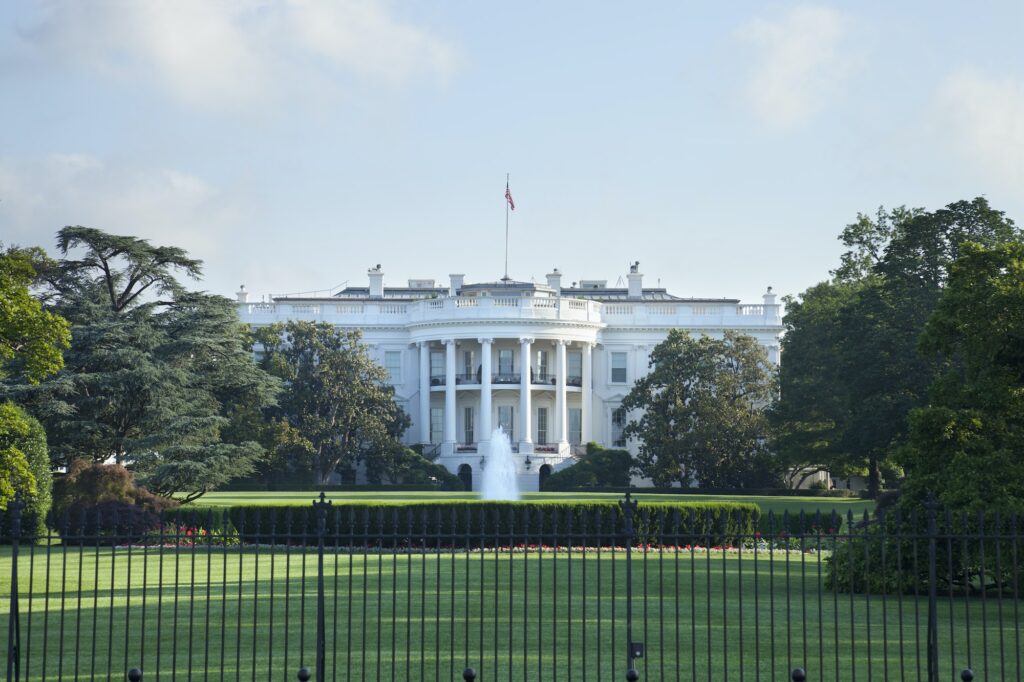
(519, 593)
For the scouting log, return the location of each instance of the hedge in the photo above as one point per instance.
(456, 523)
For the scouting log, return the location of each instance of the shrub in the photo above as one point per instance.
(599, 467)
(102, 499)
(490, 523)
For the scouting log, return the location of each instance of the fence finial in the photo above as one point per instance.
(967, 675)
(304, 674)
(469, 674)
(632, 675)
(134, 675)
(799, 675)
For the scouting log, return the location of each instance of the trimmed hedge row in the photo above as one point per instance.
(479, 523)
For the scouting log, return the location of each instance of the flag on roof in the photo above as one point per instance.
(508, 196)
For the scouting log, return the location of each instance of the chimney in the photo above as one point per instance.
(242, 294)
(376, 282)
(636, 281)
(769, 297)
(456, 284)
(555, 281)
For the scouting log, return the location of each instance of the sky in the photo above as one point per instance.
(292, 144)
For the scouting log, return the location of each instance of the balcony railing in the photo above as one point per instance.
(574, 381)
(502, 378)
(473, 378)
(542, 378)
(437, 380)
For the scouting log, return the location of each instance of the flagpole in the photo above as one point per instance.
(505, 279)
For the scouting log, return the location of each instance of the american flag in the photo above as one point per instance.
(508, 196)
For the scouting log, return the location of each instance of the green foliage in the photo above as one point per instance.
(88, 484)
(337, 401)
(598, 468)
(703, 416)
(447, 523)
(966, 445)
(400, 465)
(156, 375)
(31, 339)
(24, 467)
(852, 371)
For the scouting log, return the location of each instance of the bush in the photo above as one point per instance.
(31, 442)
(890, 555)
(490, 523)
(599, 467)
(102, 499)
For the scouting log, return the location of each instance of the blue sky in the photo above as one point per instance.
(292, 144)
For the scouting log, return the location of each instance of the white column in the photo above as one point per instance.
(424, 391)
(525, 436)
(586, 393)
(560, 403)
(485, 391)
(449, 393)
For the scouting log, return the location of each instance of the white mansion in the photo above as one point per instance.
(549, 364)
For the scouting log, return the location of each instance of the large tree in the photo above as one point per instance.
(700, 411)
(862, 331)
(337, 399)
(154, 371)
(32, 341)
(967, 444)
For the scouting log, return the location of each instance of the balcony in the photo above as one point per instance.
(505, 378)
(574, 381)
(437, 380)
(462, 379)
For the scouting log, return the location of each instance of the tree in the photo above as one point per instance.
(852, 370)
(967, 445)
(703, 411)
(337, 398)
(599, 467)
(31, 345)
(31, 339)
(154, 371)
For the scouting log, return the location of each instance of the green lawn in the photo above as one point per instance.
(794, 505)
(249, 614)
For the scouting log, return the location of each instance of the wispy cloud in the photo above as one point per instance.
(38, 197)
(799, 62)
(983, 118)
(235, 54)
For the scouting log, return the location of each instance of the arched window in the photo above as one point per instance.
(466, 474)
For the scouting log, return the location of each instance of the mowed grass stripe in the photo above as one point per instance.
(251, 616)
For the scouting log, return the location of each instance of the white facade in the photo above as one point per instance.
(457, 356)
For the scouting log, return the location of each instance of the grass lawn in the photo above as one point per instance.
(809, 505)
(249, 614)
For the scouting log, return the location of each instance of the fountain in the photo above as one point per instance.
(499, 478)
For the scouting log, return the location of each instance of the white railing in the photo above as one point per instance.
(456, 309)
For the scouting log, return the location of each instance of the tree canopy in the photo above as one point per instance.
(967, 444)
(154, 371)
(703, 411)
(337, 399)
(852, 371)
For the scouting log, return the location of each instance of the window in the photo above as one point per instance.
(618, 368)
(505, 420)
(467, 426)
(505, 367)
(575, 426)
(542, 366)
(393, 364)
(436, 365)
(618, 424)
(467, 364)
(436, 425)
(575, 370)
(542, 426)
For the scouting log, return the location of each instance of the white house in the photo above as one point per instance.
(550, 364)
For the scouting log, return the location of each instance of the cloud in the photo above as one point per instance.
(235, 54)
(800, 61)
(39, 197)
(982, 118)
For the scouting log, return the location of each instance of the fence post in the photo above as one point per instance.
(13, 621)
(635, 648)
(320, 506)
(933, 628)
